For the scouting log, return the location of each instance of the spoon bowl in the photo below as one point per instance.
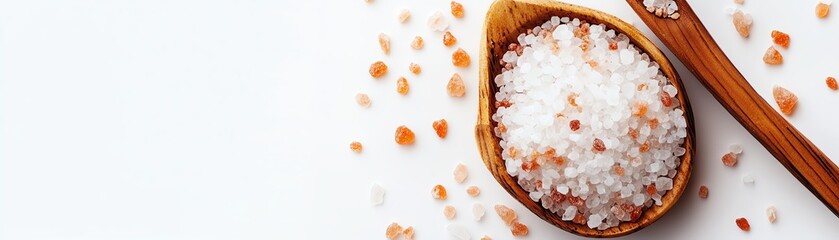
(505, 20)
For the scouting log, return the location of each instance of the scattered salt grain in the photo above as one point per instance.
(518, 229)
(404, 15)
(743, 224)
(441, 127)
(449, 39)
(457, 9)
(363, 100)
(748, 179)
(417, 43)
(507, 214)
(478, 211)
(377, 69)
(404, 135)
(355, 147)
(780, 38)
(437, 22)
(393, 231)
(449, 212)
(785, 99)
(460, 173)
(742, 23)
(831, 83)
(439, 192)
(460, 58)
(822, 9)
(486, 238)
(402, 86)
(377, 195)
(729, 159)
(771, 214)
(456, 87)
(384, 43)
(703, 192)
(772, 56)
(473, 191)
(458, 232)
(415, 68)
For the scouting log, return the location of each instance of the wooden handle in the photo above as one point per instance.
(688, 39)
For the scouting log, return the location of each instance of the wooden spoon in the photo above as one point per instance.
(688, 39)
(505, 20)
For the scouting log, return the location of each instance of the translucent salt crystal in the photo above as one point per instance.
(670, 90)
(594, 220)
(458, 232)
(569, 213)
(563, 189)
(535, 196)
(672, 8)
(478, 211)
(460, 173)
(785, 99)
(664, 184)
(771, 214)
(748, 179)
(403, 16)
(735, 148)
(742, 23)
(570, 172)
(638, 200)
(626, 57)
(555, 20)
(437, 22)
(377, 195)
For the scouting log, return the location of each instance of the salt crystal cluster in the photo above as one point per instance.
(629, 133)
(662, 8)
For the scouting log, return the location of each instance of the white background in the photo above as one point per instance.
(231, 120)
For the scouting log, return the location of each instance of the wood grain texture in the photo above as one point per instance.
(505, 20)
(691, 42)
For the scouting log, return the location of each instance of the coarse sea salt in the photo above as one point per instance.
(627, 131)
(478, 211)
(377, 195)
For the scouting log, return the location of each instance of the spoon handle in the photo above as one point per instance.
(688, 39)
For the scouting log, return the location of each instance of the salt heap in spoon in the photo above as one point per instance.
(588, 124)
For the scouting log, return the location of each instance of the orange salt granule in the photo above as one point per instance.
(518, 229)
(449, 211)
(460, 58)
(574, 124)
(402, 86)
(404, 135)
(785, 99)
(529, 166)
(355, 147)
(653, 123)
(579, 219)
(618, 170)
(703, 192)
(743, 224)
(377, 69)
(384, 43)
(439, 192)
(486, 238)
(513, 152)
(456, 87)
(729, 159)
(449, 39)
(441, 127)
(408, 233)
(502, 128)
(651, 189)
(639, 109)
(417, 43)
(780, 38)
(473, 191)
(363, 100)
(665, 99)
(393, 231)
(644, 147)
(598, 145)
(457, 9)
(831, 83)
(822, 9)
(772, 56)
(460, 173)
(415, 68)
(742, 23)
(507, 214)
(633, 133)
(613, 46)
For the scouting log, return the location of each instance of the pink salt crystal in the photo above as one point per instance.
(822, 9)
(518, 229)
(460, 173)
(772, 56)
(743, 23)
(785, 99)
(404, 15)
(456, 87)
(771, 214)
(408, 233)
(473, 191)
(417, 43)
(384, 43)
(486, 238)
(393, 231)
(449, 211)
(729, 159)
(507, 214)
(363, 100)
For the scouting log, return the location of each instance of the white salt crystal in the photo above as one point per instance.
(478, 211)
(735, 148)
(594, 220)
(458, 232)
(377, 195)
(748, 179)
(569, 213)
(535, 196)
(437, 22)
(563, 189)
(626, 57)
